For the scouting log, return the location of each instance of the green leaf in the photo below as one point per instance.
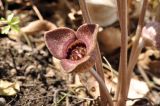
(15, 28)
(12, 24)
(15, 21)
(10, 17)
(5, 29)
(2, 19)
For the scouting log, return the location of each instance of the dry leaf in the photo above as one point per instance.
(9, 88)
(56, 63)
(103, 12)
(33, 28)
(49, 72)
(38, 26)
(109, 39)
(138, 89)
(90, 83)
(135, 8)
(144, 59)
(155, 68)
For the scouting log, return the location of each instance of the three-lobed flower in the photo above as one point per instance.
(74, 49)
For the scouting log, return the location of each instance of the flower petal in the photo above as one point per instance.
(58, 40)
(88, 34)
(79, 65)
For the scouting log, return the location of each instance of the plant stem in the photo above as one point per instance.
(158, 13)
(5, 8)
(119, 11)
(122, 78)
(85, 13)
(134, 61)
(103, 86)
(139, 29)
(119, 81)
(99, 69)
(105, 97)
(134, 54)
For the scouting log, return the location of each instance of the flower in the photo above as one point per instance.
(151, 34)
(75, 50)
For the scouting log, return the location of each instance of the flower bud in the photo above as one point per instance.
(151, 34)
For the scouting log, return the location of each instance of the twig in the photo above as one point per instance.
(80, 103)
(37, 11)
(69, 95)
(26, 38)
(122, 78)
(145, 77)
(13, 59)
(55, 96)
(99, 67)
(149, 100)
(12, 100)
(109, 67)
(67, 101)
(108, 64)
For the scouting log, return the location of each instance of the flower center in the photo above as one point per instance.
(76, 50)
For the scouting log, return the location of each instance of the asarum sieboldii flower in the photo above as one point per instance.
(151, 34)
(75, 50)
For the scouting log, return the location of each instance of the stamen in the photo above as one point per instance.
(76, 50)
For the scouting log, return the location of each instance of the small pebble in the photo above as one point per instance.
(2, 101)
(13, 72)
(43, 91)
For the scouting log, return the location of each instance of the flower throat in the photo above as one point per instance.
(76, 51)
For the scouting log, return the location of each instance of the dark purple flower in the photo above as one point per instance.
(76, 50)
